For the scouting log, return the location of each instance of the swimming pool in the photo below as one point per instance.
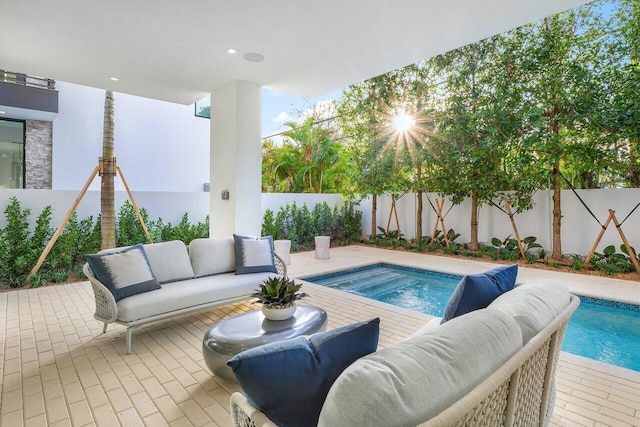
(602, 330)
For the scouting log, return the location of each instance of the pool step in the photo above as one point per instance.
(380, 290)
(356, 279)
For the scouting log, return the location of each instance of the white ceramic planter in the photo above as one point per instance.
(279, 313)
(322, 246)
(282, 248)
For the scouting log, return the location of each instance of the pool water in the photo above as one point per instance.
(599, 329)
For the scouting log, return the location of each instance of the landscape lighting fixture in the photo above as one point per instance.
(231, 51)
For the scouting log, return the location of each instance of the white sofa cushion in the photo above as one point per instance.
(212, 255)
(533, 305)
(417, 379)
(169, 261)
(189, 293)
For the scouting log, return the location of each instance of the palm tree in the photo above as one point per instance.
(107, 194)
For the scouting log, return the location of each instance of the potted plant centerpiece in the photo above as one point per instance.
(278, 296)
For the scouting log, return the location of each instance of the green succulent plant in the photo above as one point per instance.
(278, 291)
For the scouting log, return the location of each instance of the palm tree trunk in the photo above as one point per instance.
(107, 194)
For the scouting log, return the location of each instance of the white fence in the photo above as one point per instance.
(579, 229)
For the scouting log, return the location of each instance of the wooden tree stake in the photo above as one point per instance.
(135, 206)
(393, 212)
(630, 251)
(97, 170)
(63, 224)
(440, 221)
(597, 242)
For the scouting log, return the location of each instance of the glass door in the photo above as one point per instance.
(11, 154)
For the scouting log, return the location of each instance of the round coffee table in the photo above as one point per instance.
(244, 331)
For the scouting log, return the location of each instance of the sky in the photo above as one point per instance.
(279, 108)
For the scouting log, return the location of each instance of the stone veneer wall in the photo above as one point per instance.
(38, 149)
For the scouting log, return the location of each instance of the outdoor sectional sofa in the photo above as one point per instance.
(491, 367)
(206, 274)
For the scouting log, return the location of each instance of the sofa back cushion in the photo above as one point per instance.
(533, 305)
(169, 261)
(413, 381)
(212, 255)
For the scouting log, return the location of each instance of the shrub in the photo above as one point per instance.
(16, 253)
(20, 249)
(184, 230)
(301, 225)
(269, 224)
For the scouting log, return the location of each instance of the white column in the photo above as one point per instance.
(236, 159)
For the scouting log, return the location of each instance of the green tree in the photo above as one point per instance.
(308, 161)
(381, 164)
(621, 109)
(473, 129)
(555, 72)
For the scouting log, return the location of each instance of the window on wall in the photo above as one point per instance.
(11, 154)
(203, 108)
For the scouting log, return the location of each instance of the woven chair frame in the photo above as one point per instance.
(517, 394)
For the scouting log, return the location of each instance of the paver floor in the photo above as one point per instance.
(58, 368)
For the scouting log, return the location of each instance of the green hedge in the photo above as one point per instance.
(300, 225)
(20, 247)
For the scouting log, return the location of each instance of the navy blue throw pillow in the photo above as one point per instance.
(125, 272)
(477, 291)
(289, 380)
(254, 254)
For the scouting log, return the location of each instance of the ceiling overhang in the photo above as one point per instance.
(176, 51)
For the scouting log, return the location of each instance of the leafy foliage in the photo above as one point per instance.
(277, 292)
(20, 248)
(301, 225)
(507, 249)
(612, 262)
(308, 161)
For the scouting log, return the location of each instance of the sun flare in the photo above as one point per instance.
(404, 128)
(403, 122)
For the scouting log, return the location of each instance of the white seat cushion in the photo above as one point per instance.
(188, 293)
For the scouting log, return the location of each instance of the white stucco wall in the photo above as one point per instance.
(160, 146)
(579, 229)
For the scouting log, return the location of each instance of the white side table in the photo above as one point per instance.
(322, 247)
(282, 248)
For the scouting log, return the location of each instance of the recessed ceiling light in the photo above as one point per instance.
(2, 112)
(231, 50)
(115, 79)
(253, 57)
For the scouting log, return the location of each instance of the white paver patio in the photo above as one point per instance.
(58, 369)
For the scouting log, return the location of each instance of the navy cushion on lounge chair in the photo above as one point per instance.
(289, 380)
(476, 291)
